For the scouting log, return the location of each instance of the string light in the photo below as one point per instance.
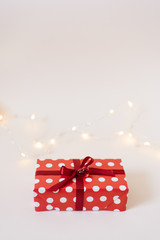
(33, 116)
(53, 141)
(120, 133)
(130, 104)
(85, 136)
(128, 137)
(147, 143)
(38, 145)
(74, 128)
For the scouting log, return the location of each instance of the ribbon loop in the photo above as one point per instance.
(84, 170)
(87, 161)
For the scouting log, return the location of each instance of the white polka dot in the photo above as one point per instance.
(57, 209)
(122, 188)
(117, 201)
(74, 179)
(41, 190)
(95, 208)
(69, 189)
(56, 191)
(37, 165)
(114, 179)
(109, 188)
(89, 199)
(61, 179)
(49, 200)
(84, 189)
(49, 180)
(63, 199)
(34, 194)
(101, 179)
(36, 204)
(125, 179)
(121, 164)
(74, 199)
(49, 207)
(49, 165)
(116, 210)
(36, 180)
(84, 208)
(127, 194)
(69, 209)
(115, 197)
(88, 179)
(72, 164)
(98, 164)
(111, 164)
(61, 164)
(103, 198)
(95, 188)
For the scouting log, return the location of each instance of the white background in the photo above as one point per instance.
(70, 62)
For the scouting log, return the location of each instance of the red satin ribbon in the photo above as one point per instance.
(80, 171)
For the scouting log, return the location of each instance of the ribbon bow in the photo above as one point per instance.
(80, 171)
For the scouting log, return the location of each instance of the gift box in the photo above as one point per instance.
(80, 184)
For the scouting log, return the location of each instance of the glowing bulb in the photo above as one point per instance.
(1, 117)
(147, 143)
(53, 141)
(33, 116)
(23, 154)
(85, 136)
(130, 104)
(38, 145)
(111, 111)
(130, 134)
(74, 128)
(120, 133)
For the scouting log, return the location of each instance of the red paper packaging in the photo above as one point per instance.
(88, 184)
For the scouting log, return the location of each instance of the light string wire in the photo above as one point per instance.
(85, 135)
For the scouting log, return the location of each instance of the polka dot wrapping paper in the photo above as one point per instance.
(101, 192)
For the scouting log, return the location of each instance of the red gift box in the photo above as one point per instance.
(98, 185)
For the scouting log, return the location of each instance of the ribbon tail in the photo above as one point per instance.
(63, 183)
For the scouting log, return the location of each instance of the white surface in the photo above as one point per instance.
(71, 61)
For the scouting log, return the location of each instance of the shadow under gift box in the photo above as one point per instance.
(101, 192)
